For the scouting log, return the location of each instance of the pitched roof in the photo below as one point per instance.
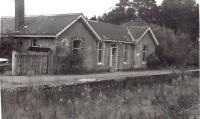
(7, 25)
(137, 27)
(137, 31)
(53, 25)
(112, 32)
(39, 25)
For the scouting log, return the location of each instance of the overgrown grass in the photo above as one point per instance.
(155, 101)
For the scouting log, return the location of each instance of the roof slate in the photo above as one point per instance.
(109, 31)
(53, 24)
(7, 25)
(39, 25)
(137, 31)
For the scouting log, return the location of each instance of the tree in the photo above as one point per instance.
(94, 18)
(146, 9)
(182, 49)
(175, 49)
(119, 15)
(149, 15)
(181, 15)
(166, 38)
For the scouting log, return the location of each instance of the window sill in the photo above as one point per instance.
(100, 63)
(144, 62)
(126, 63)
(34, 46)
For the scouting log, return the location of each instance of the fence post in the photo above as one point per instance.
(14, 62)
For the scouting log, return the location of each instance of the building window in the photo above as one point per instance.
(100, 52)
(34, 43)
(144, 53)
(126, 53)
(77, 45)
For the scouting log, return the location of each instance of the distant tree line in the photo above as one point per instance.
(174, 22)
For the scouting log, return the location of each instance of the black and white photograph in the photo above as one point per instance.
(99, 59)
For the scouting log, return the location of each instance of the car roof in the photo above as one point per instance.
(3, 59)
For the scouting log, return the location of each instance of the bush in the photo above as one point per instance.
(185, 101)
(175, 48)
(153, 61)
(72, 64)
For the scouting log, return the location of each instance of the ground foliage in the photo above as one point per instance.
(72, 64)
(175, 49)
(112, 101)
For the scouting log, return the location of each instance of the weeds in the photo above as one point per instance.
(155, 101)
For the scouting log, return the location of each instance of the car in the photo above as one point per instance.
(3, 65)
(3, 62)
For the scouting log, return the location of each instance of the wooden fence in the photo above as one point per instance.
(35, 63)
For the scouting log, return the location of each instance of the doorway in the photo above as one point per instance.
(113, 56)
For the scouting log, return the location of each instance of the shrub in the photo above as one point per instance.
(185, 101)
(153, 61)
(175, 48)
(72, 64)
(166, 59)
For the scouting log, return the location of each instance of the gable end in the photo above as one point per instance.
(85, 22)
(152, 35)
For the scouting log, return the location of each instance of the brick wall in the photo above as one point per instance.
(148, 41)
(89, 47)
(78, 29)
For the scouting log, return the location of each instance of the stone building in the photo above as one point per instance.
(102, 45)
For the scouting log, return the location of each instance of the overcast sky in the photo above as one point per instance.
(41, 7)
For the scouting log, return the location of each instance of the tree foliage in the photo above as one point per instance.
(175, 49)
(181, 15)
(119, 15)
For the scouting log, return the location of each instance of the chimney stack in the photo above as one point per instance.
(19, 14)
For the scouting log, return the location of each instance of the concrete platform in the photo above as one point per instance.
(21, 81)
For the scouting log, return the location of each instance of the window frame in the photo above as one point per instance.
(33, 43)
(79, 49)
(126, 54)
(102, 53)
(144, 53)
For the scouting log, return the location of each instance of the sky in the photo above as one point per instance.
(41, 7)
